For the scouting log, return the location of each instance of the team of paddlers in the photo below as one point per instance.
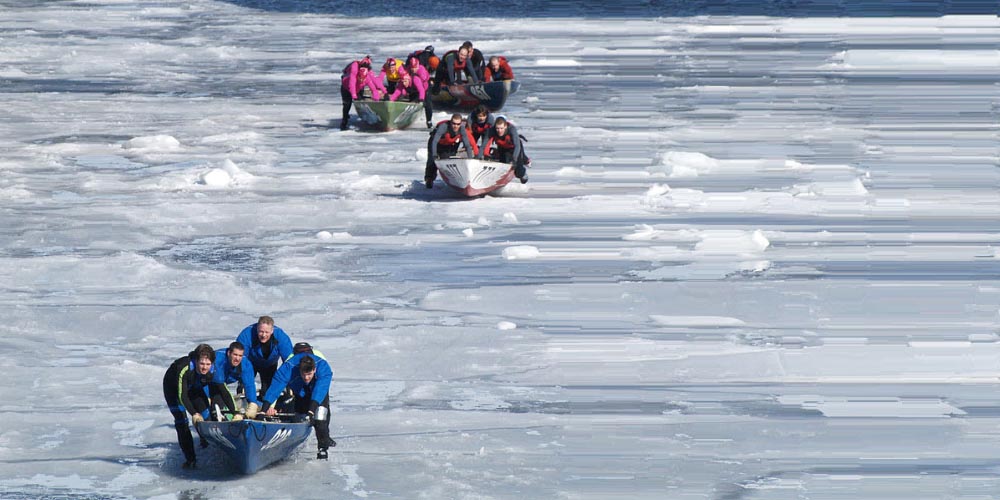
(420, 76)
(294, 379)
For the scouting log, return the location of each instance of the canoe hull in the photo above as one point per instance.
(252, 444)
(387, 115)
(468, 96)
(473, 177)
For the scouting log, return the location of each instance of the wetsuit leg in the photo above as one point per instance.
(345, 97)
(184, 438)
(430, 170)
(322, 427)
(427, 108)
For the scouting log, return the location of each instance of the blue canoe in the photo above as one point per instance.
(254, 444)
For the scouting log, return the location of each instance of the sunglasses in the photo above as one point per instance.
(456, 123)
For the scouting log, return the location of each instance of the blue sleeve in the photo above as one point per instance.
(284, 344)
(324, 378)
(219, 375)
(247, 376)
(245, 338)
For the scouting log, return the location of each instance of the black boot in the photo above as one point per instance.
(322, 454)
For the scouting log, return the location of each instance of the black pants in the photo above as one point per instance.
(443, 151)
(345, 97)
(266, 374)
(322, 427)
(507, 156)
(200, 403)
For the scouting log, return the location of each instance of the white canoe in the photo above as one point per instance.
(474, 177)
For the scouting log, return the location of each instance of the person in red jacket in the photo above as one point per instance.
(498, 69)
(504, 144)
(444, 143)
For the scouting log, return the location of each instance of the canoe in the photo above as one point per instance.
(468, 96)
(255, 444)
(473, 177)
(388, 115)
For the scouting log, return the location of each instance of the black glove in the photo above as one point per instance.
(313, 407)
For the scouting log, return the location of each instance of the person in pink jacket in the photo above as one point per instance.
(420, 75)
(355, 77)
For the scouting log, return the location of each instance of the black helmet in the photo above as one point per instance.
(302, 347)
(429, 48)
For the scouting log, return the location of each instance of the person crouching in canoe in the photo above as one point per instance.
(444, 142)
(356, 76)
(507, 147)
(309, 377)
(188, 389)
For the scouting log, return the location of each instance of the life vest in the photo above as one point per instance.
(449, 138)
(478, 129)
(393, 74)
(505, 142)
(456, 61)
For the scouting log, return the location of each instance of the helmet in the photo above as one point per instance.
(433, 61)
(302, 347)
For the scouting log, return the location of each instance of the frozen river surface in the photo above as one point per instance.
(757, 257)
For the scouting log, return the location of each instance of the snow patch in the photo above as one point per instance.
(228, 175)
(153, 143)
(523, 252)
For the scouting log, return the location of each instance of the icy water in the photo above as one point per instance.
(756, 258)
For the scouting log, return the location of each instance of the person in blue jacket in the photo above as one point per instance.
(309, 377)
(231, 366)
(266, 344)
(188, 388)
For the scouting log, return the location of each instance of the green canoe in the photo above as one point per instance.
(387, 115)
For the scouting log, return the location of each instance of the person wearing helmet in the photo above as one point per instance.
(308, 377)
(389, 77)
(354, 77)
(420, 77)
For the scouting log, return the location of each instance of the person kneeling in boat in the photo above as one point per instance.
(354, 78)
(188, 388)
(387, 79)
(266, 345)
(232, 366)
(453, 64)
(444, 142)
(498, 70)
(480, 122)
(507, 147)
(413, 89)
(420, 76)
(309, 377)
